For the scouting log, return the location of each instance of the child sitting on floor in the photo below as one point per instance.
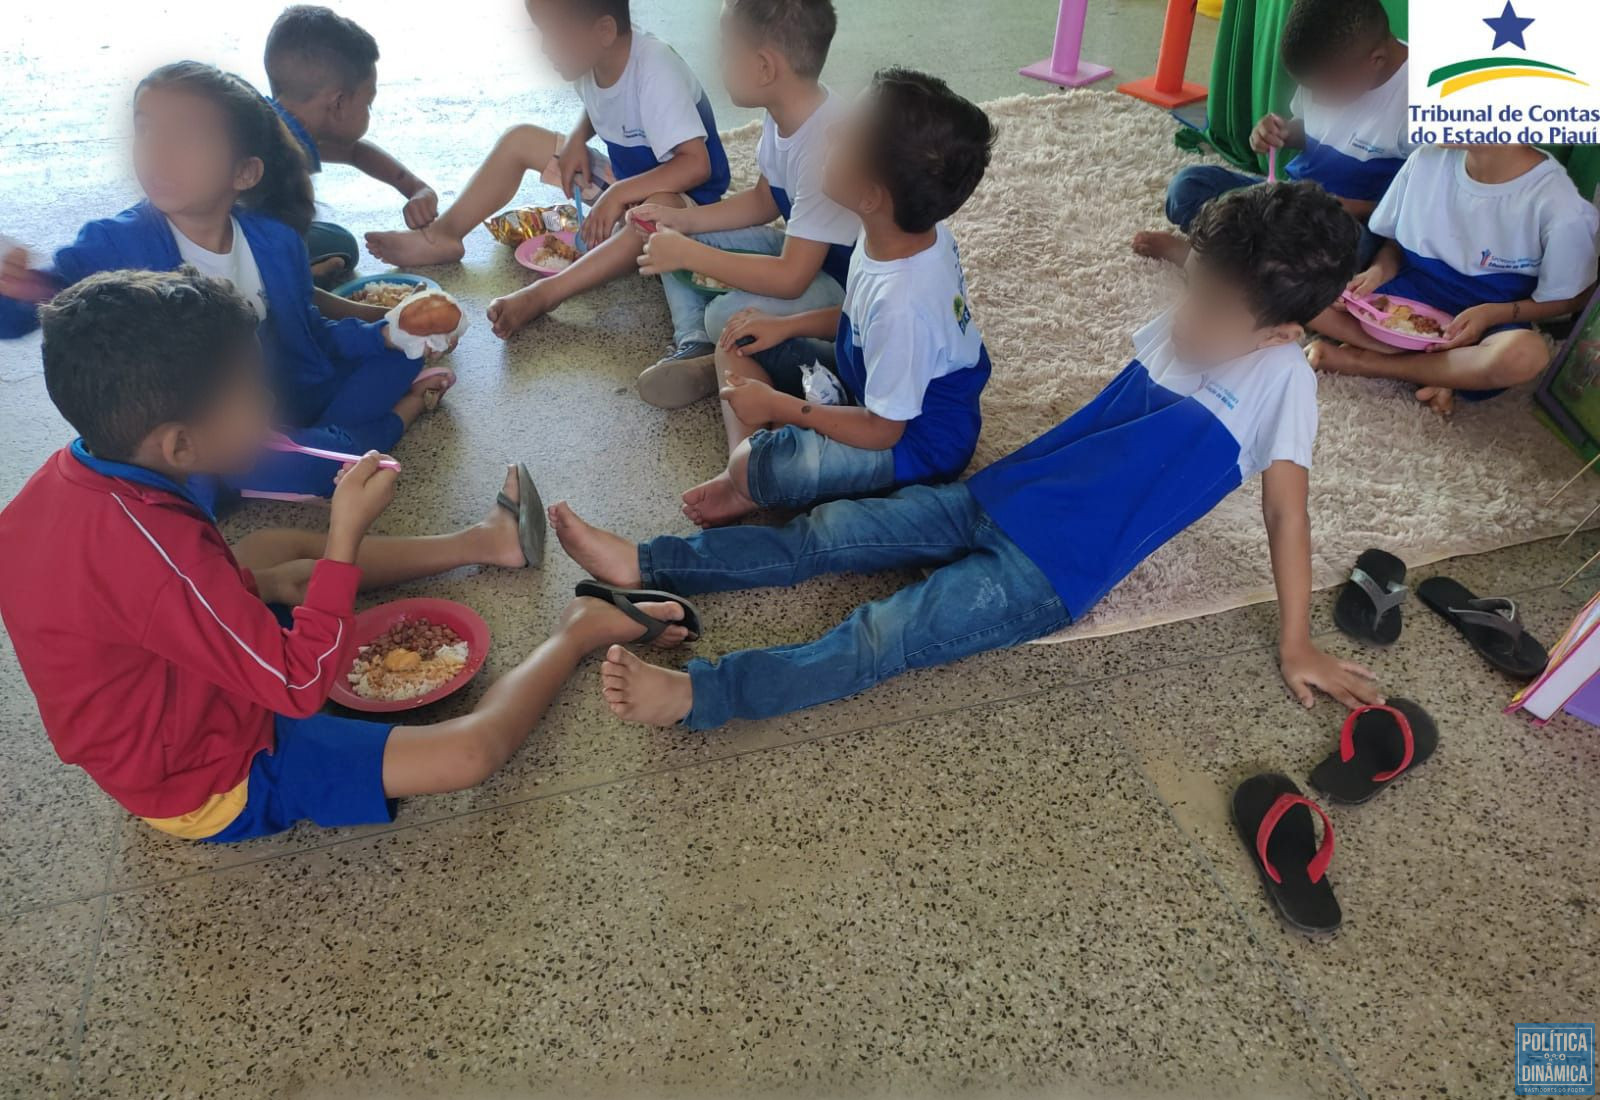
(1219, 391)
(773, 52)
(905, 347)
(661, 143)
(323, 72)
(1496, 235)
(228, 193)
(156, 663)
(1350, 119)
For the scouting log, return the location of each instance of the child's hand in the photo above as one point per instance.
(573, 165)
(1307, 669)
(1366, 284)
(363, 491)
(423, 208)
(15, 278)
(665, 251)
(602, 220)
(1469, 326)
(762, 330)
(752, 402)
(1272, 132)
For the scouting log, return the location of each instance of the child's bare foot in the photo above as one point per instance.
(596, 623)
(607, 557)
(416, 247)
(514, 312)
(1438, 398)
(642, 693)
(501, 543)
(1162, 246)
(716, 503)
(1335, 358)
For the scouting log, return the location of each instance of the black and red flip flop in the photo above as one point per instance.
(1377, 746)
(1278, 828)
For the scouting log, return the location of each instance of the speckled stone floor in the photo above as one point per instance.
(1014, 872)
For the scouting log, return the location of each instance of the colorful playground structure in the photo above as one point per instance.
(1167, 88)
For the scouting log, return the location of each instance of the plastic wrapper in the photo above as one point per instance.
(512, 227)
(415, 347)
(822, 386)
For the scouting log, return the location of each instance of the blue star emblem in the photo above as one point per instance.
(1508, 28)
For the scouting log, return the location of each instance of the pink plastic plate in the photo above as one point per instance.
(526, 250)
(458, 617)
(1402, 340)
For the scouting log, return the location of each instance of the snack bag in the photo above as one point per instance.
(514, 226)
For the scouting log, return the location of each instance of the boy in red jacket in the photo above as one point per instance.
(157, 665)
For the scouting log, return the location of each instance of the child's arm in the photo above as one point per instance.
(750, 331)
(741, 211)
(422, 205)
(1385, 266)
(1277, 132)
(687, 168)
(785, 276)
(758, 403)
(1284, 489)
(1470, 325)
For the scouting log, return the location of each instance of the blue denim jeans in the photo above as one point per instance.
(983, 594)
(1198, 184)
(797, 467)
(696, 320)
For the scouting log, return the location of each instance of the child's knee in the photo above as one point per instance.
(1522, 358)
(472, 758)
(532, 145)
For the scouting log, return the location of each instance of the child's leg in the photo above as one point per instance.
(691, 309)
(617, 256)
(788, 468)
(1188, 192)
(281, 558)
(463, 752)
(918, 526)
(1507, 358)
(992, 599)
(1336, 324)
(728, 364)
(380, 385)
(520, 150)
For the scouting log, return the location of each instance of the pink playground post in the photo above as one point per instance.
(1065, 66)
(1168, 88)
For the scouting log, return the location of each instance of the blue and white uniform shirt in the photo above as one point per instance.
(654, 107)
(1160, 447)
(1533, 237)
(909, 350)
(792, 167)
(1355, 149)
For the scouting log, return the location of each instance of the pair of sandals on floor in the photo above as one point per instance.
(532, 534)
(1377, 745)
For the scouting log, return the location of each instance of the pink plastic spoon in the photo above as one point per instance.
(284, 443)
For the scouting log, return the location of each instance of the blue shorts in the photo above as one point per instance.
(783, 363)
(323, 769)
(1415, 285)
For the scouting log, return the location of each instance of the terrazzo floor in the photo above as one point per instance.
(1014, 872)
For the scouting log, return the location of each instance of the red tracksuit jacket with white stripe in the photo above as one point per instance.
(156, 667)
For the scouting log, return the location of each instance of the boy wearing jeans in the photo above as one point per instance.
(773, 52)
(1219, 391)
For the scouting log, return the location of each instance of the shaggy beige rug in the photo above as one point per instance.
(1058, 293)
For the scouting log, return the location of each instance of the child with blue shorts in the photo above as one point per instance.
(1218, 392)
(227, 191)
(157, 663)
(902, 363)
(773, 52)
(662, 147)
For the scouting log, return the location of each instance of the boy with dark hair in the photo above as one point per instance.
(772, 54)
(157, 664)
(1349, 119)
(1219, 391)
(909, 361)
(323, 72)
(662, 147)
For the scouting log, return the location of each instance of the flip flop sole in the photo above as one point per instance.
(531, 523)
(624, 600)
(1375, 753)
(1523, 659)
(1308, 906)
(1352, 611)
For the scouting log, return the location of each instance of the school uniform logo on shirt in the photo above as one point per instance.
(1490, 262)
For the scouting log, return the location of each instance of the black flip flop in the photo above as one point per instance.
(623, 599)
(1368, 607)
(529, 511)
(1377, 746)
(1275, 823)
(1492, 625)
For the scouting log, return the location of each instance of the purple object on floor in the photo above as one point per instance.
(1586, 704)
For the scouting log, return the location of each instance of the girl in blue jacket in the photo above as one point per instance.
(227, 190)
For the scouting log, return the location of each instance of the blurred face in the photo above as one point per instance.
(1345, 79)
(748, 69)
(571, 41)
(183, 154)
(1214, 324)
(350, 113)
(847, 175)
(232, 434)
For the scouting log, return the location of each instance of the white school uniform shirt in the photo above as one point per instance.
(792, 167)
(1355, 149)
(237, 266)
(1532, 237)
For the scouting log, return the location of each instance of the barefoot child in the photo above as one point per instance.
(911, 359)
(227, 192)
(323, 71)
(773, 52)
(1219, 392)
(156, 663)
(661, 143)
(1349, 119)
(1496, 235)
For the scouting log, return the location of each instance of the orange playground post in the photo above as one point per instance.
(1168, 88)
